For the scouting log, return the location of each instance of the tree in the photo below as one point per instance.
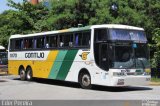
(156, 47)
(9, 24)
(27, 18)
(33, 16)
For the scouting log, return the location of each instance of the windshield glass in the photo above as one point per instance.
(142, 56)
(126, 56)
(125, 34)
(123, 55)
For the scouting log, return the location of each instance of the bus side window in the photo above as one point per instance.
(28, 43)
(47, 42)
(82, 39)
(61, 40)
(12, 44)
(68, 40)
(18, 44)
(86, 38)
(78, 39)
(40, 42)
(22, 44)
(53, 41)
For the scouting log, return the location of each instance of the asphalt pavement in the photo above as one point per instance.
(12, 88)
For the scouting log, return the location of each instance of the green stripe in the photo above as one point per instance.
(57, 64)
(66, 65)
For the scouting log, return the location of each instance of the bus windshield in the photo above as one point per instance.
(121, 34)
(123, 56)
(142, 56)
(127, 57)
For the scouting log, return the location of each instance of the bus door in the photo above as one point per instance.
(103, 56)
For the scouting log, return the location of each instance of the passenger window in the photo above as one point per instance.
(28, 43)
(66, 40)
(16, 44)
(78, 39)
(61, 40)
(47, 45)
(53, 41)
(12, 44)
(86, 38)
(82, 39)
(39, 42)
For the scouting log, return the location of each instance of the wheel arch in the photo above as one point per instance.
(83, 70)
(28, 67)
(19, 69)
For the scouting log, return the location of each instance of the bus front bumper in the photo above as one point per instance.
(131, 81)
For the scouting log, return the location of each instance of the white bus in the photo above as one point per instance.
(108, 55)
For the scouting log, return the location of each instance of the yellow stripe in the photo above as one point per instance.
(40, 68)
(43, 67)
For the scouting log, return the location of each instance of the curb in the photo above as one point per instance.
(154, 83)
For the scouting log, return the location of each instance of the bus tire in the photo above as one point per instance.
(85, 80)
(22, 74)
(29, 74)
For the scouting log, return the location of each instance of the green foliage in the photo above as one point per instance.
(155, 79)
(31, 15)
(156, 47)
(28, 18)
(8, 24)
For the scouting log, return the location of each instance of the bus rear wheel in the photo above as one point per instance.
(85, 80)
(29, 74)
(22, 74)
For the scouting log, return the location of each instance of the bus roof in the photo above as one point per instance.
(118, 26)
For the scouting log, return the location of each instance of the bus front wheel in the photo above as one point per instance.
(22, 74)
(29, 75)
(85, 80)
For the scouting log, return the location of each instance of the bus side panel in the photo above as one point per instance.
(66, 65)
(13, 65)
(57, 64)
(62, 64)
(42, 68)
(82, 61)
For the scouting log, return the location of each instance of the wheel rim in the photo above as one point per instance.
(22, 75)
(86, 80)
(29, 75)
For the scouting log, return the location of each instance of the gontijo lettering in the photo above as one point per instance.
(34, 55)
